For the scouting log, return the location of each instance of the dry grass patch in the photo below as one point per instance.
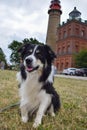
(73, 113)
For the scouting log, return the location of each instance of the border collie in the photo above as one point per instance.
(37, 93)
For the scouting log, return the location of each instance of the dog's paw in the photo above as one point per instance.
(36, 124)
(53, 114)
(25, 119)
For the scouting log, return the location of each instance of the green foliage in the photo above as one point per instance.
(31, 40)
(81, 59)
(2, 56)
(14, 57)
(15, 45)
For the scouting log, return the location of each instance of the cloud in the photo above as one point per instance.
(15, 19)
(21, 19)
(68, 6)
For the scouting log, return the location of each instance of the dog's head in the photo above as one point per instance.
(36, 56)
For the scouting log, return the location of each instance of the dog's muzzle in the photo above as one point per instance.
(29, 65)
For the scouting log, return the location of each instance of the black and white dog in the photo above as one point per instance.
(36, 82)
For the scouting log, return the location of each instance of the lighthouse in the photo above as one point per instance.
(53, 22)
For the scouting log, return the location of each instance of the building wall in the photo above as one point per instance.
(72, 38)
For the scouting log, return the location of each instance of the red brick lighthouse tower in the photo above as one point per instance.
(53, 22)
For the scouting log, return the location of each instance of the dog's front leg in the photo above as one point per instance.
(24, 113)
(42, 108)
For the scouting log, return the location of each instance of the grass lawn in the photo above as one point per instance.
(72, 115)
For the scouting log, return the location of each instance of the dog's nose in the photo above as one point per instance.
(29, 60)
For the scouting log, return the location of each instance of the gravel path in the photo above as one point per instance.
(72, 77)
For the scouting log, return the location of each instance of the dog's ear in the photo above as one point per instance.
(50, 55)
(22, 49)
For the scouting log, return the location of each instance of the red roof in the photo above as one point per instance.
(55, 6)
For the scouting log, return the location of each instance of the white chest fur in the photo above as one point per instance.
(30, 89)
(33, 97)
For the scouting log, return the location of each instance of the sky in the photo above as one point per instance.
(21, 19)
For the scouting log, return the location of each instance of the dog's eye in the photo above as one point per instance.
(37, 51)
(30, 51)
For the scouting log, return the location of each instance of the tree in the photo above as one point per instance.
(15, 45)
(81, 59)
(31, 40)
(14, 57)
(2, 56)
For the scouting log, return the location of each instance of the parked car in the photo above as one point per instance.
(81, 72)
(78, 72)
(69, 71)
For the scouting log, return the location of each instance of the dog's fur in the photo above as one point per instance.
(36, 82)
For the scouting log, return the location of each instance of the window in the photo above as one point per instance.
(69, 31)
(61, 66)
(68, 48)
(59, 51)
(63, 50)
(82, 33)
(66, 65)
(77, 31)
(64, 34)
(59, 36)
(77, 48)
